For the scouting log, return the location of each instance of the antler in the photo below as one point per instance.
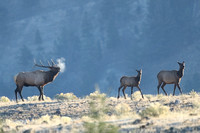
(49, 63)
(53, 63)
(41, 64)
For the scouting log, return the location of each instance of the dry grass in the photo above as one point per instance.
(122, 109)
(102, 112)
(137, 96)
(45, 121)
(35, 98)
(52, 120)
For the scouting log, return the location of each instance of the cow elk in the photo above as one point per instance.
(171, 77)
(38, 78)
(130, 82)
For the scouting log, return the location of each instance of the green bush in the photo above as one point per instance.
(1, 125)
(97, 110)
(97, 105)
(96, 95)
(99, 127)
(4, 99)
(154, 110)
(66, 96)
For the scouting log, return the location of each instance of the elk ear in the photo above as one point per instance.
(183, 63)
(178, 62)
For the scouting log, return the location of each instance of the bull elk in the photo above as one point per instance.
(38, 78)
(171, 77)
(130, 82)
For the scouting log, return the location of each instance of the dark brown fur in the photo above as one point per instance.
(37, 78)
(130, 82)
(171, 77)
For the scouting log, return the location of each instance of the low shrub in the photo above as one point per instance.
(97, 105)
(137, 95)
(97, 108)
(193, 94)
(122, 109)
(65, 119)
(96, 95)
(1, 125)
(99, 127)
(154, 110)
(66, 96)
(4, 99)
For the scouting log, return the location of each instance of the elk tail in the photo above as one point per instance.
(15, 78)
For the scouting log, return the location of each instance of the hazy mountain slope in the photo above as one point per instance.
(100, 40)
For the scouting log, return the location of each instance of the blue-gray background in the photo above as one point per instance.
(101, 41)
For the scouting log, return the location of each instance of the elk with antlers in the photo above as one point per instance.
(37, 78)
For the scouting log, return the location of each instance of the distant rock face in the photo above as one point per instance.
(100, 40)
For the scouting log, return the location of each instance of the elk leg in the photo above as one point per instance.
(124, 92)
(140, 91)
(20, 93)
(16, 94)
(179, 88)
(131, 93)
(163, 85)
(119, 90)
(174, 89)
(159, 84)
(42, 92)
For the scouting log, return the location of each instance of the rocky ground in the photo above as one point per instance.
(175, 114)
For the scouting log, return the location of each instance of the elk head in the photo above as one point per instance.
(139, 71)
(182, 65)
(52, 66)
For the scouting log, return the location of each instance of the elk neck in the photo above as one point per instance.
(138, 77)
(180, 72)
(51, 75)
